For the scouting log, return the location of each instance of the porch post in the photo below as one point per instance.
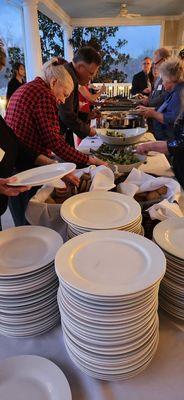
(68, 49)
(32, 39)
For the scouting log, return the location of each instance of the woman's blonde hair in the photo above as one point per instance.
(54, 68)
(172, 69)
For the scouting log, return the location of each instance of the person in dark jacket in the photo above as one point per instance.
(142, 82)
(157, 96)
(82, 69)
(17, 80)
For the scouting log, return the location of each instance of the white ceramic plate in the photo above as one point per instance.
(130, 136)
(110, 263)
(169, 235)
(100, 210)
(27, 248)
(32, 377)
(40, 175)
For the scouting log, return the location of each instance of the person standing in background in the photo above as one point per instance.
(157, 96)
(17, 80)
(82, 69)
(142, 82)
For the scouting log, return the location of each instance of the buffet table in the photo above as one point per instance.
(162, 380)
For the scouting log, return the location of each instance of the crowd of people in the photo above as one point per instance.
(43, 115)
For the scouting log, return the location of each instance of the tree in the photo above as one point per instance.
(51, 36)
(111, 54)
(52, 45)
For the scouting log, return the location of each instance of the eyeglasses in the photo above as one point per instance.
(157, 62)
(60, 61)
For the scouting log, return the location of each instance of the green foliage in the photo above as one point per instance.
(52, 45)
(51, 36)
(111, 55)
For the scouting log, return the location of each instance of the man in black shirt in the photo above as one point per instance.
(82, 69)
(142, 82)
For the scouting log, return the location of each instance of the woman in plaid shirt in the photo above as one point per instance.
(32, 113)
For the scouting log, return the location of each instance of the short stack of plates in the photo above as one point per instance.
(101, 210)
(108, 299)
(28, 283)
(169, 235)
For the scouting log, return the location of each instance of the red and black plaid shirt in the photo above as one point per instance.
(33, 115)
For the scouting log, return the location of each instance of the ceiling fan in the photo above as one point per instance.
(124, 12)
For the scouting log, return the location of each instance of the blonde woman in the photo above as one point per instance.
(33, 113)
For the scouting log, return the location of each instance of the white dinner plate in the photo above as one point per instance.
(100, 210)
(169, 235)
(32, 377)
(40, 175)
(27, 248)
(110, 263)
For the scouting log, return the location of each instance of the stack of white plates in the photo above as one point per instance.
(169, 236)
(108, 298)
(101, 210)
(28, 283)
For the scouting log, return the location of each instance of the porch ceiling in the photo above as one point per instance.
(110, 8)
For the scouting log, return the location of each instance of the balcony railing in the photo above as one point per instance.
(116, 89)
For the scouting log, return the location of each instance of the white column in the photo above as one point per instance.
(32, 39)
(68, 49)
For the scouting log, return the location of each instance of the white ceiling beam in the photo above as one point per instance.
(120, 21)
(54, 11)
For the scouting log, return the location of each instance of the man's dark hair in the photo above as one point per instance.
(146, 58)
(88, 55)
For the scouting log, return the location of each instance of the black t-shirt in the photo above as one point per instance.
(13, 85)
(16, 155)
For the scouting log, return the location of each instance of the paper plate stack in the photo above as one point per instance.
(101, 210)
(108, 298)
(169, 236)
(28, 283)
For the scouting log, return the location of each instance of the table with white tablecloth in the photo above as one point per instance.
(162, 380)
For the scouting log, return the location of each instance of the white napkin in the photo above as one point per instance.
(138, 182)
(102, 177)
(164, 210)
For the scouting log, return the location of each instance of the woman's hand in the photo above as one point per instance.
(97, 161)
(147, 112)
(11, 190)
(159, 146)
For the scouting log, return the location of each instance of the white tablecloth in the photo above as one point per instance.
(162, 380)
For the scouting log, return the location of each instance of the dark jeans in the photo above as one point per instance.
(18, 206)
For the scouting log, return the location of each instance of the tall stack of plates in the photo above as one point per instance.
(28, 283)
(169, 236)
(108, 298)
(101, 210)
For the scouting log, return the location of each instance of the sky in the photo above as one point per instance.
(140, 38)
